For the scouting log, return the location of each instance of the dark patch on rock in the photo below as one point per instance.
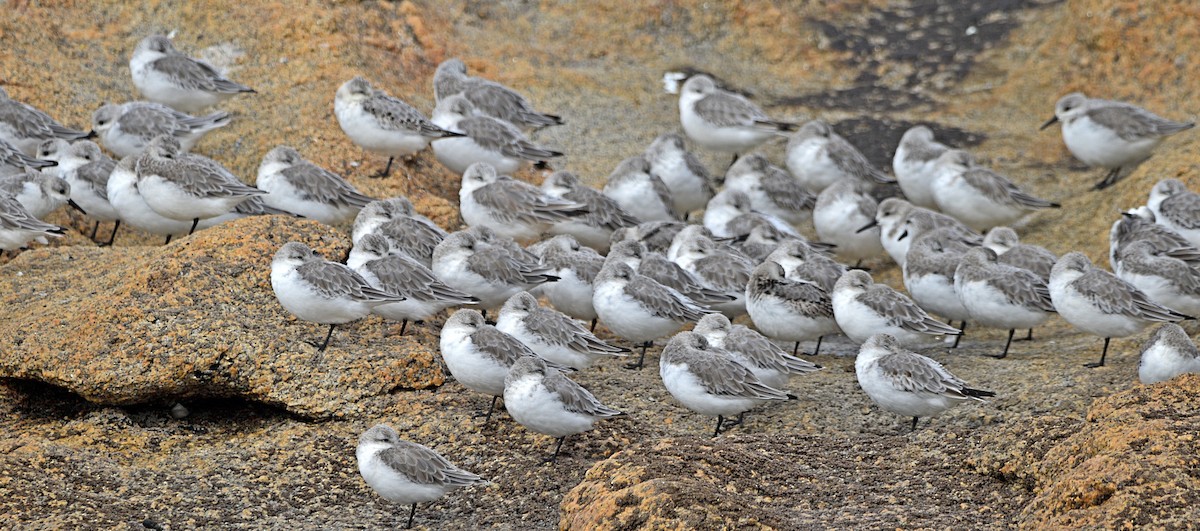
(877, 138)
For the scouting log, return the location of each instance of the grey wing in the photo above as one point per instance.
(409, 278)
(1183, 210)
(33, 123)
(850, 160)
(499, 346)
(496, 265)
(695, 166)
(205, 177)
(255, 206)
(1115, 296)
(496, 135)
(14, 216)
(318, 184)
(663, 301)
(670, 274)
(424, 466)
(1134, 123)
(903, 312)
(396, 115)
(601, 209)
(96, 174)
(720, 375)
(151, 120)
(333, 280)
(787, 192)
(562, 330)
(193, 74)
(728, 110)
(574, 397)
(727, 272)
(588, 267)
(1024, 288)
(510, 200)
(501, 102)
(765, 352)
(1030, 257)
(917, 374)
(805, 296)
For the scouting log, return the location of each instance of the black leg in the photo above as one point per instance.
(487, 417)
(961, 328)
(1007, 344)
(795, 348)
(818, 349)
(720, 420)
(113, 237)
(1102, 355)
(1028, 336)
(1110, 179)
(914, 424)
(195, 222)
(403, 326)
(594, 321)
(411, 513)
(387, 170)
(168, 239)
(327, 336)
(734, 159)
(642, 358)
(557, 448)
(94, 229)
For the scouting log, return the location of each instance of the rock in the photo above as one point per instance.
(196, 318)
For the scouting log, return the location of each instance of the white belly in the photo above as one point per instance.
(539, 410)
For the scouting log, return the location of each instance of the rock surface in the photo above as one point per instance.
(131, 330)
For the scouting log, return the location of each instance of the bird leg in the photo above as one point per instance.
(327, 336)
(168, 239)
(914, 424)
(720, 419)
(387, 170)
(1110, 179)
(113, 237)
(1102, 355)
(94, 229)
(557, 447)
(594, 321)
(1028, 336)
(1002, 355)
(795, 348)
(195, 222)
(962, 328)
(411, 514)
(642, 358)
(487, 417)
(403, 326)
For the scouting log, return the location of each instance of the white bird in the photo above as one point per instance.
(406, 472)
(25, 126)
(165, 75)
(18, 227)
(769, 363)
(670, 274)
(13, 160)
(685, 176)
(1110, 134)
(299, 186)
(1009, 250)
(488, 272)
(87, 170)
(771, 189)
(38, 192)
(512, 208)
(723, 121)
(978, 196)
(544, 400)
(601, 215)
(907, 383)
(730, 214)
(863, 308)
(489, 97)
(125, 129)
(408, 232)
(818, 157)
(788, 310)
(184, 186)
(576, 267)
(844, 216)
(1176, 208)
(915, 165)
(482, 139)
(639, 192)
(1168, 353)
(478, 355)
(638, 309)
(1138, 225)
(1166, 280)
(1001, 296)
(125, 197)
(718, 270)
(383, 124)
(928, 273)
(552, 335)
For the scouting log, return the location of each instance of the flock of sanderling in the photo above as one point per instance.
(623, 256)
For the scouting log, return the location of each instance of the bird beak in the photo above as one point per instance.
(1049, 122)
(76, 206)
(903, 235)
(867, 227)
(91, 134)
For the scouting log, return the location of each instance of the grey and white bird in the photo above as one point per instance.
(406, 472)
(763, 239)
(731, 214)
(165, 75)
(39, 193)
(928, 273)
(408, 232)
(551, 334)
(1177, 208)
(802, 261)
(685, 176)
(1168, 353)
(13, 160)
(542, 399)
(18, 227)
(425, 295)
(1009, 250)
(1166, 280)
(87, 169)
(317, 290)
(655, 235)
(720, 120)
(382, 124)
(771, 364)
(978, 196)
(125, 129)
(771, 189)
(863, 308)
(844, 215)
(670, 274)
(638, 309)
(708, 380)
(25, 126)
(512, 208)
(1138, 225)
(482, 139)
(479, 355)
(998, 295)
(819, 157)
(915, 165)
(639, 192)
(1098, 303)
(901, 222)
(601, 215)
(718, 270)
(299, 186)
(576, 267)
(187, 187)
(488, 272)
(488, 97)
(788, 310)
(909, 384)
(1110, 134)
(124, 196)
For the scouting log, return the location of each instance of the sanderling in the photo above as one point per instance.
(1168, 353)
(488, 97)
(907, 383)
(718, 270)
(709, 381)
(317, 290)
(1110, 134)
(409, 233)
(479, 355)
(576, 267)
(512, 208)
(730, 214)
(761, 241)
(640, 192)
(87, 170)
(424, 294)
(771, 189)
(1168, 281)
(915, 165)
(844, 215)
(771, 364)
(488, 237)
(686, 235)
(1176, 208)
(125, 197)
(184, 187)
(1008, 247)
(723, 121)
(406, 472)
(297, 185)
(928, 273)
(39, 193)
(1138, 224)
(127, 128)
(999, 295)
(1097, 302)
(165, 75)
(670, 274)
(601, 215)
(901, 222)
(544, 400)
(978, 196)
(802, 261)
(52, 150)
(13, 160)
(863, 308)
(819, 157)
(487, 272)
(788, 310)
(638, 309)
(686, 178)
(483, 139)
(24, 126)
(551, 334)
(383, 124)
(656, 235)
(18, 227)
